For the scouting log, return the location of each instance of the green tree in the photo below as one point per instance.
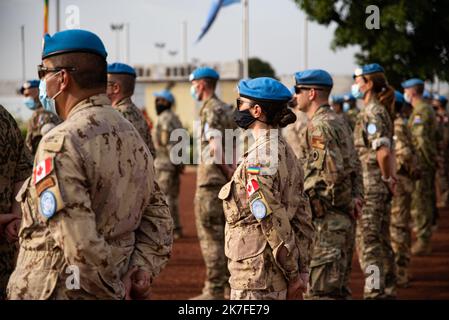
(260, 68)
(412, 41)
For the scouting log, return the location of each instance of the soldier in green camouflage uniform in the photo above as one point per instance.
(167, 172)
(121, 83)
(15, 167)
(333, 182)
(442, 173)
(407, 172)
(212, 174)
(373, 135)
(422, 124)
(41, 121)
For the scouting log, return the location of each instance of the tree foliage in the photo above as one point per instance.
(412, 41)
(260, 68)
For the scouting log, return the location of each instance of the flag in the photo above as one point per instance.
(251, 187)
(42, 169)
(213, 13)
(45, 16)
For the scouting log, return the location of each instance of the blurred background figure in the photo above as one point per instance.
(439, 103)
(167, 173)
(41, 121)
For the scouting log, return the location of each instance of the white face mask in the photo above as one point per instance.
(407, 98)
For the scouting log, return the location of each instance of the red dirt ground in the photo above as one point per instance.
(184, 275)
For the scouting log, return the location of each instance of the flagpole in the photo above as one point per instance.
(306, 42)
(45, 16)
(245, 38)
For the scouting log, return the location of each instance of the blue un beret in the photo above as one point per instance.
(165, 94)
(121, 68)
(264, 89)
(367, 69)
(315, 77)
(337, 99)
(29, 84)
(440, 98)
(73, 40)
(348, 97)
(399, 97)
(204, 72)
(412, 82)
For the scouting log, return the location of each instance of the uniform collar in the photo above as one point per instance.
(126, 100)
(321, 109)
(95, 100)
(208, 101)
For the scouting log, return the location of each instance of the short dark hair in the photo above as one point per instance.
(90, 69)
(127, 82)
(419, 89)
(210, 83)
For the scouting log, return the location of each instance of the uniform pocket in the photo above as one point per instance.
(231, 203)
(325, 270)
(247, 265)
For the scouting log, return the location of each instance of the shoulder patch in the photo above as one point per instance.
(252, 186)
(43, 169)
(259, 206)
(48, 204)
(258, 209)
(417, 119)
(318, 142)
(253, 169)
(371, 128)
(45, 184)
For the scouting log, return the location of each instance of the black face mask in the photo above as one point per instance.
(161, 108)
(243, 119)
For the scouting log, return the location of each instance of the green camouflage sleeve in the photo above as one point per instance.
(421, 127)
(25, 163)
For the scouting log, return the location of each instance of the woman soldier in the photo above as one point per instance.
(268, 230)
(373, 135)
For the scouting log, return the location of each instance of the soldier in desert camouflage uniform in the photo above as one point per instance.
(95, 225)
(333, 182)
(121, 83)
(373, 135)
(15, 167)
(268, 222)
(407, 172)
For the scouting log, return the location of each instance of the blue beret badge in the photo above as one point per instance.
(48, 204)
(371, 128)
(258, 209)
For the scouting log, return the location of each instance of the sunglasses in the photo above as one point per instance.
(299, 89)
(239, 102)
(42, 71)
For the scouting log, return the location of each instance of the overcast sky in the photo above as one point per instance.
(276, 33)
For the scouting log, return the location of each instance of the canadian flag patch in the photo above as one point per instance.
(251, 187)
(43, 169)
